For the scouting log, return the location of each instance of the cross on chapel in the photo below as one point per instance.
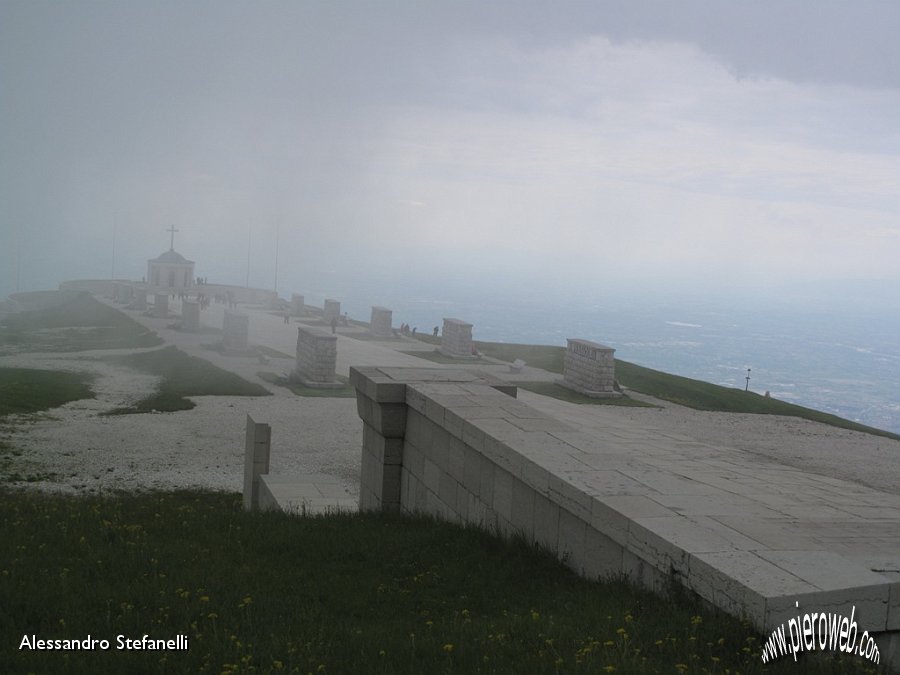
(172, 232)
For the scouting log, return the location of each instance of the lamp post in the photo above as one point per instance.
(747, 388)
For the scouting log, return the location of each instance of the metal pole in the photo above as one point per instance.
(277, 224)
(747, 388)
(249, 234)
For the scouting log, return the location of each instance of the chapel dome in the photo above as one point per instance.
(172, 256)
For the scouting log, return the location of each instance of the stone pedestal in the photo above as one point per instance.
(316, 358)
(380, 323)
(298, 304)
(590, 369)
(256, 460)
(161, 305)
(190, 316)
(456, 339)
(140, 299)
(332, 310)
(235, 328)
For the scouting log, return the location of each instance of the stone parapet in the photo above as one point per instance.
(655, 510)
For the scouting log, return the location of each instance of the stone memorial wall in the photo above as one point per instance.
(380, 323)
(590, 369)
(456, 339)
(316, 358)
(235, 329)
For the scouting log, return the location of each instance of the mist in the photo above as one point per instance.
(588, 152)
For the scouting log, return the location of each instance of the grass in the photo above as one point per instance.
(675, 388)
(28, 390)
(554, 390)
(182, 376)
(301, 390)
(77, 323)
(270, 593)
(705, 396)
(272, 353)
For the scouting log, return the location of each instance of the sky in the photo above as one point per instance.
(576, 147)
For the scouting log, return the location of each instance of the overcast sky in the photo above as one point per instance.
(569, 144)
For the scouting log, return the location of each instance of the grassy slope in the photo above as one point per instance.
(182, 376)
(347, 594)
(62, 328)
(682, 390)
(26, 390)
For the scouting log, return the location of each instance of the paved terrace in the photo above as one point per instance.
(751, 536)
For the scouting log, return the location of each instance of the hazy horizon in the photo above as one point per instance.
(581, 150)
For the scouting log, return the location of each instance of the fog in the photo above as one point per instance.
(567, 149)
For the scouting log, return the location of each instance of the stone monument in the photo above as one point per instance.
(161, 305)
(590, 369)
(190, 316)
(298, 304)
(235, 328)
(456, 339)
(332, 310)
(140, 299)
(380, 323)
(316, 358)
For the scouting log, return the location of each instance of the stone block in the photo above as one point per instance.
(316, 358)
(589, 368)
(161, 306)
(380, 323)
(298, 304)
(257, 443)
(190, 316)
(456, 339)
(235, 331)
(331, 310)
